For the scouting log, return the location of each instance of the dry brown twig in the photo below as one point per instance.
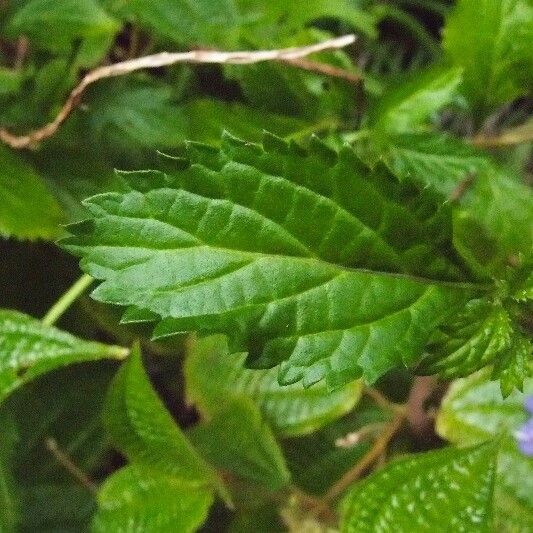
(292, 56)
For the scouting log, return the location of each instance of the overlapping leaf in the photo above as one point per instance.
(28, 210)
(163, 463)
(474, 411)
(263, 244)
(213, 375)
(29, 349)
(437, 491)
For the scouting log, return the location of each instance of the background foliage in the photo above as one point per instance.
(283, 259)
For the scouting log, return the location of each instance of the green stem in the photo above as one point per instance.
(67, 299)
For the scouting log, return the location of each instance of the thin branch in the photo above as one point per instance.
(161, 60)
(519, 135)
(324, 68)
(66, 462)
(373, 455)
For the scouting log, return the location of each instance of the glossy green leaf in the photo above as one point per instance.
(469, 341)
(28, 210)
(137, 498)
(213, 375)
(473, 411)
(55, 24)
(411, 102)
(261, 243)
(492, 220)
(29, 349)
(142, 428)
(491, 40)
(237, 439)
(443, 490)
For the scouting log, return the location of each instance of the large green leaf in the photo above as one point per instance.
(238, 439)
(213, 375)
(474, 411)
(27, 210)
(493, 219)
(444, 490)
(411, 102)
(491, 40)
(55, 24)
(263, 244)
(29, 349)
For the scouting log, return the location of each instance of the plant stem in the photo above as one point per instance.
(67, 299)
(64, 460)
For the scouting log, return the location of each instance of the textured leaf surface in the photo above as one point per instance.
(444, 490)
(469, 341)
(491, 40)
(27, 210)
(138, 499)
(238, 439)
(28, 349)
(213, 375)
(262, 245)
(474, 411)
(54, 24)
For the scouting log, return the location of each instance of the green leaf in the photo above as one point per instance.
(492, 219)
(411, 102)
(441, 490)
(202, 22)
(262, 243)
(10, 80)
(142, 428)
(137, 498)
(27, 210)
(469, 341)
(9, 497)
(491, 40)
(277, 16)
(212, 375)
(29, 349)
(55, 24)
(514, 365)
(474, 411)
(238, 439)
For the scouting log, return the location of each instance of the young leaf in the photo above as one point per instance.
(55, 24)
(262, 244)
(492, 220)
(29, 349)
(491, 40)
(137, 498)
(411, 102)
(418, 492)
(469, 341)
(473, 411)
(237, 439)
(212, 375)
(27, 210)
(142, 428)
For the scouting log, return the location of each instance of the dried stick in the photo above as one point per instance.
(165, 59)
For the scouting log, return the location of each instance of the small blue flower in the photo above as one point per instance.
(525, 434)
